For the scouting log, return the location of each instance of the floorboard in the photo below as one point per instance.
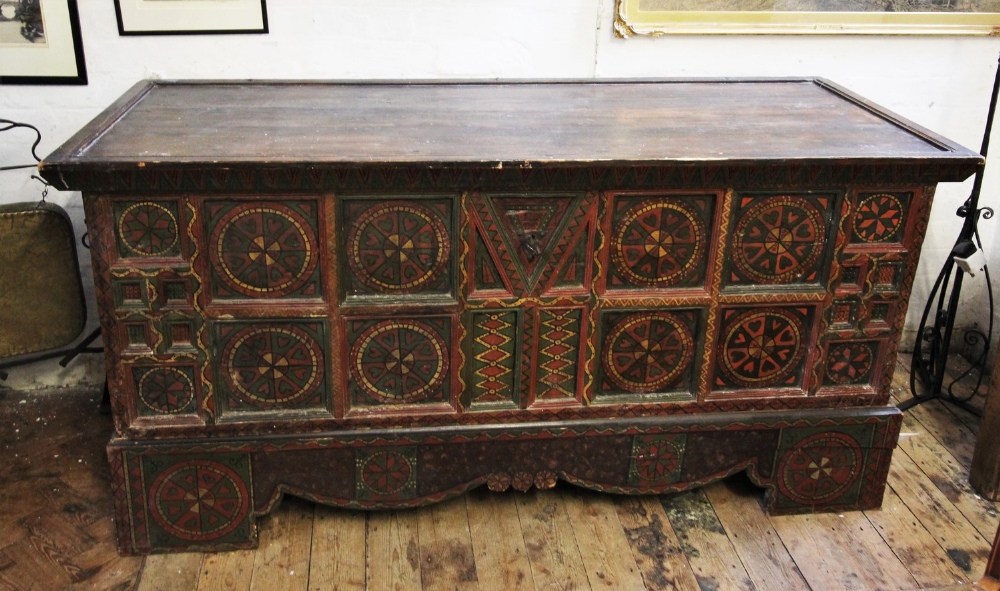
(760, 548)
(556, 563)
(933, 531)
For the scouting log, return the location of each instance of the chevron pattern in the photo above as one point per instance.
(493, 358)
(558, 349)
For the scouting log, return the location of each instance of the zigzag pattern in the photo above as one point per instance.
(492, 232)
(493, 368)
(557, 353)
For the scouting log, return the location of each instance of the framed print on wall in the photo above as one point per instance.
(190, 17)
(807, 17)
(40, 43)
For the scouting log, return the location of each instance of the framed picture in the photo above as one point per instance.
(800, 17)
(40, 43)
(190, 17)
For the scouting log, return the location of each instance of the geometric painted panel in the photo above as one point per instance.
(762, 346)
(656, 459)
(262, 249)
(558, 346)
(198, 499)
(850, 363)
(529, 229)
(879, 218)
(147, 229)
(269, 366)
(386, 474)
(486, 274)
(164, 390)
(778, 239)
(397, 247)
(819, 466)
(399, 361)
(659, 242)
(495, 353)
(887, 276)
(649, 351)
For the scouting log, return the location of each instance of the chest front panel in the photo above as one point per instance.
(306, 311)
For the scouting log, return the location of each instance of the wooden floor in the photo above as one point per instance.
(932, 532)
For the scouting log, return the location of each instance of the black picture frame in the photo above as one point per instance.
(68, 49)
(128, 28)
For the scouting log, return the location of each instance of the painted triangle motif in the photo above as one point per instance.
(530, 229)
(573, 270)
(487, 273)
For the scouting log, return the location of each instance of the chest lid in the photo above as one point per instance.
(198, 126)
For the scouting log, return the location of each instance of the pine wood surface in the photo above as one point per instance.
(933, 531)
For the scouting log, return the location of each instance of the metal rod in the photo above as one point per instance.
(931, 372)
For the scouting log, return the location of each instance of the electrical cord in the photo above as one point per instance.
(9, 125)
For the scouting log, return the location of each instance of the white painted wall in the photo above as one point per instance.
(941, 83)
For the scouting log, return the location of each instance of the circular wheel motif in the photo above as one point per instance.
(398, 247)
(778, 240)
(264, 250)
(647, 352)
(762, 347)
(199, 500)
(399, 361)
(820, 468)
(849, 363)
(658, 244)
(147, 229)
(879, 218)
(386, 473)
(657, 460)
(272, 366)
(165, 390)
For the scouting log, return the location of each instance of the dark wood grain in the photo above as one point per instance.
(525, 122)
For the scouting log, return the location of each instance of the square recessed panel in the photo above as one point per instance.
(656, 460)
(397, 247)
(880, 218)
(194, 499)
(763, 346)
(263, 249)
(399, 361)
(887, 276)
(648, 353)
(164, 390)
(850, 363)
(779, 239)
(146, 229)
(131, 293)
(659, 242)
(386, 474)
(270, 366)
(840, 452)
(843, 314)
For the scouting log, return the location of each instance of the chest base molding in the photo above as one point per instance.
(176, 496)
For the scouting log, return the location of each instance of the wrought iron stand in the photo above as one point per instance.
(929, 366)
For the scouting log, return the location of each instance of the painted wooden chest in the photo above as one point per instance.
(380, 295)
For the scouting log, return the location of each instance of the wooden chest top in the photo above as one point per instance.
(195, 125)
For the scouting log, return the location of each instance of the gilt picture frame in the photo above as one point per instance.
(806, 17)
(41, 43)
(191, 17)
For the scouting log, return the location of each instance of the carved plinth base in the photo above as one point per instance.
(207, 494)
